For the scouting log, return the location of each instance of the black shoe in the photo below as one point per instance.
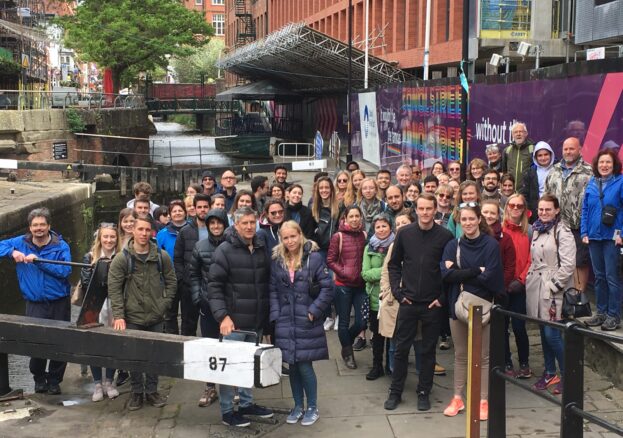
(285, 371)
(155, 399)
(423, 402)
(597, 320)
(256, 411)
(41, 387)
(392, 402)
(235, 419)
(349, 358)
(54, 389)
(122, 377)
(359, 344)
(611, 323)
(375, 373)
(388, 371)
(135, 402)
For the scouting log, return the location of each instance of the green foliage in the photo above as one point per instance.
(201, 62)
(9, 68)
(75, 121)
(124, 34)
(183, 119)
(72, 84)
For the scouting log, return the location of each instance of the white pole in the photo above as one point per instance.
(427, 40)
(365, 75)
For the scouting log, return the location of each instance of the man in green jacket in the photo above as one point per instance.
(141, 288)
(517, 156)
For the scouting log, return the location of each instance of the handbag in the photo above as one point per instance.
(575, 304)
(77, 295)
(608, 212)
(467, 299)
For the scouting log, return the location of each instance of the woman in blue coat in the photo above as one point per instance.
(604, 194)
(298, 271)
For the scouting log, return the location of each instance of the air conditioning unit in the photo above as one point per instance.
(523, 48)
(496, 60)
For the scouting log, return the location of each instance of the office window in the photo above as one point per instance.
(218, 22)
(218, 2)
(198, 2)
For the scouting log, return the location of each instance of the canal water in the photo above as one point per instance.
(77, 224)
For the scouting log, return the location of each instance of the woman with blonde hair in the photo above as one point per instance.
(356, 178)
(476, 170)
(105, 246)
(300, 293)
(369, 202)
(342, 183)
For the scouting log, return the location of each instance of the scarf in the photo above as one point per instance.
(543, 227)
(497, 230)
(603, 181)
(380, 246)
(370, 209)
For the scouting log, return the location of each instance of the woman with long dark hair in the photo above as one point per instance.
(299, 213)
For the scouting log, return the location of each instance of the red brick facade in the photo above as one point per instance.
(210, 9)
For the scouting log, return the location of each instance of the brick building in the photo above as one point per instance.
(213, 11)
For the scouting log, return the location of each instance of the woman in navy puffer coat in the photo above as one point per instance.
(298, 317)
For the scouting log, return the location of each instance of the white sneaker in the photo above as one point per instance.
(328, 323)
(98, 394)
(111, 389)
(337, 320)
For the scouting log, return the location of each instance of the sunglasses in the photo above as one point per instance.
(443, 196)
(516, 206)
(342, 180)
(470, 204)
(454, 169)
(276, 213)
(417, 172)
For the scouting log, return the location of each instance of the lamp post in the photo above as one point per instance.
(349, 154)
(465, 58)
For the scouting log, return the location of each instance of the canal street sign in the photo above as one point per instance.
(59, 150)
(309, 165)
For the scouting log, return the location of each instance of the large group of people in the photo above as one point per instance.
(362, 255)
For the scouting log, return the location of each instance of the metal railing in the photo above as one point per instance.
(42, 99)
(572, 402)
(198, 104)
(296, 151)
(608, 52)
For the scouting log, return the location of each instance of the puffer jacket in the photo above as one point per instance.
(302, 216)
(346, 264)
(270, 234)
(40, 282)
(570, 191)
(551, 271)
(201, 260)
(325, 228)
(591, 224)
(182, 254)
(238, 282)
(147, 295)
(299, 338)
(371, 274)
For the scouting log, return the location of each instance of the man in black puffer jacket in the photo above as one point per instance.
(201, 260)
(188, 236)
(238, 297)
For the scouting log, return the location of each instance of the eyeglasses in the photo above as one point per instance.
(417, 172)
(276, 213)
(516, 206)
(470, 204)
(108, 225)
(454, 169)
(342, 180)
(228, 177)
(443, 195)
(490, 178)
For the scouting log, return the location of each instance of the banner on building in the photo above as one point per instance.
(369, 128)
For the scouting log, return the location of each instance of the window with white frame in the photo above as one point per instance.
(218, 22)
(218, 2)
(198, 2)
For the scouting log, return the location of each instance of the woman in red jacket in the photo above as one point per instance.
(345, 258)
(517, 227)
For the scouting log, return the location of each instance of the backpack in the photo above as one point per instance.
(131, 264)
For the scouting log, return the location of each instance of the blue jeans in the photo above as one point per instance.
(551, 340)
(226, 393)
(97, 374)
(303, 380)
(345, 298)
(605, 259)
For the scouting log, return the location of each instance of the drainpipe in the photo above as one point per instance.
(427, 40)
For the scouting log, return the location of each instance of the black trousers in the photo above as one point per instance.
(58, 310)
(378, 341)
(404, 334)
(190, 313)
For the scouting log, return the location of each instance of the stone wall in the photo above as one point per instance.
(29, 135)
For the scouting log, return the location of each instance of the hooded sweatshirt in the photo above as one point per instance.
(542, 171)
(533, 184)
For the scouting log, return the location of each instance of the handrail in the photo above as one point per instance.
(572, 407)
(281, 150)
(46, 99)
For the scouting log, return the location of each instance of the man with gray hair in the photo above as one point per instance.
(240, 274)
(517, 157)
(403, 176)
(44, 286)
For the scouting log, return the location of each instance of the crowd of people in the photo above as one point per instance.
(361, 255)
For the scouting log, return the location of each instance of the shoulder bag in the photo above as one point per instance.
(467, 299)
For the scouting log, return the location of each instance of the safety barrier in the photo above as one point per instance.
(43, 99)
(572, 408)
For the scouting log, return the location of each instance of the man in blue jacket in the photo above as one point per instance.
(44, 286)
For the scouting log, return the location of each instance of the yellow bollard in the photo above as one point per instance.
(474, 367)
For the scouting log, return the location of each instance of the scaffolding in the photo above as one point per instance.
(307, 60)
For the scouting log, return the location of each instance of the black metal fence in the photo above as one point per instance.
(572, 405)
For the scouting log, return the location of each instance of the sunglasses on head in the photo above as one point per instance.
(107, 225)
(470, 204)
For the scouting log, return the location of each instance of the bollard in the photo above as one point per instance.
(572, 382)
(474, 367)
(4, 374)
(497, 385)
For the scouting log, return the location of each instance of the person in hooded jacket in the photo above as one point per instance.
(533, 183)
(201, 260)
(298, 314)
(299, 213)
(345, 259)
